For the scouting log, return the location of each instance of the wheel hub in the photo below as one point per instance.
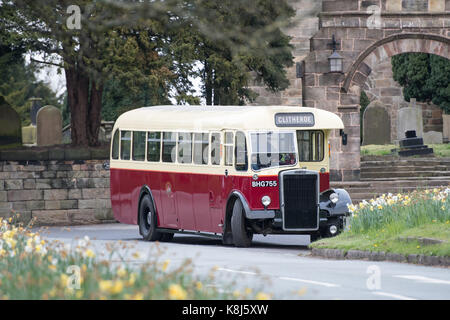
(149, 218)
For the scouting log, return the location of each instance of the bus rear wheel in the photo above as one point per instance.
(241, 236)
(147, 220)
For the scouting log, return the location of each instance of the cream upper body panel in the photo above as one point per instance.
(213, 118)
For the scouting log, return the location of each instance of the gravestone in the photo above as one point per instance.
(410, 119)
(10, 125)
(376, 124)
(411, 145)
(29, 135)
(49, 126)
(35, 107)
(446, 128)
(432, 137)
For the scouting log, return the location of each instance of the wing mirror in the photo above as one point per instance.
(344, 137)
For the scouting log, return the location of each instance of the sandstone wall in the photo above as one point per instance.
(56, 192)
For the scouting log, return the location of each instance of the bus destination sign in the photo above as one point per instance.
(294, 119)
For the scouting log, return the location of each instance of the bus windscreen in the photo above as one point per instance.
(272, 149)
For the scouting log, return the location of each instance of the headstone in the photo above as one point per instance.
(376, 124)
(10, 125)
(411, 145)
(29, 135)
(432, 137)
(49, 126)
(410, 119)
(446, 127)
(35, 106)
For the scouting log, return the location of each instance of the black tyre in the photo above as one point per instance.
(148, 220)
(166, 237)
(241, 236)
(315, 236)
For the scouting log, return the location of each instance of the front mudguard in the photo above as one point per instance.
(339, 208)
(333, 214)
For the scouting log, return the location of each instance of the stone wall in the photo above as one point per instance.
(56, 192)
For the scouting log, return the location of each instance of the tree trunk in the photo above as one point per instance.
(85, 104)
(77, 96)
(94, 113)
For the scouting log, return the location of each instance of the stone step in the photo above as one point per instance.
(397, 158)
(405, 168)
(401, 174)
(415, 162)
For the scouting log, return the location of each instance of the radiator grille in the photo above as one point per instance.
(300, 201)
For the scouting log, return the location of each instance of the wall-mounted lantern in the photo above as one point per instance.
(335, 59)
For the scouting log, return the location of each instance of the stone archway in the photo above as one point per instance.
(389, 47)
(340, 92)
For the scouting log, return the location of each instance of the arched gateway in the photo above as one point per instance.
(365, 33)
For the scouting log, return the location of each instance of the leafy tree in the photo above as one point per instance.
(150, 45)
(226, 74)
(111, 43)
(424, 77)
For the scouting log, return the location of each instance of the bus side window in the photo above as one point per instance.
(125, 145)
(138, 146)
(201, 148)
(154, 146)
(169, 146)
(215, 149)
(184, 147)
(228, 148)
(115, 146)
(241, 152)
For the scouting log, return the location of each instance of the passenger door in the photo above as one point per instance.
(168, 182)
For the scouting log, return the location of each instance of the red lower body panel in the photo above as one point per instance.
(189, 201)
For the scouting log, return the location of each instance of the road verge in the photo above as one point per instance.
(339, 254)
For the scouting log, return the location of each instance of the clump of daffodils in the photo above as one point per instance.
(73, 270)
(410, 209)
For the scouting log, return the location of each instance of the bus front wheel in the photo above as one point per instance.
(147, 220)
(241, 236)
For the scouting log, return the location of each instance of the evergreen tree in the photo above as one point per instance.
(424, 77)
(151, 46)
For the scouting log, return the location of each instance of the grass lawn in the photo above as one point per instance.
(382, 241)
(395, 223)
(440, 150)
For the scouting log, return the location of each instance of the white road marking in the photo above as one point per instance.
(238, 271)
(392, 295)
(325, 284)
(423, 279)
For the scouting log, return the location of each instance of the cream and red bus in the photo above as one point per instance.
(225, 171)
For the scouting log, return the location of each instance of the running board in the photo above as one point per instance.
(198, 233)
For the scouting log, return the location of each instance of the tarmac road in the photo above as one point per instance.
(277, 264)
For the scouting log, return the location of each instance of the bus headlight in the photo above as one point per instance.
(334, 197)
(266, 201)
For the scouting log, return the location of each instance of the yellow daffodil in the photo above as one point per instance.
(165, 265)
(105, 285)
(262, 296)
(176, 292)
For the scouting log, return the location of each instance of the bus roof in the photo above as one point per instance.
(198, 118)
